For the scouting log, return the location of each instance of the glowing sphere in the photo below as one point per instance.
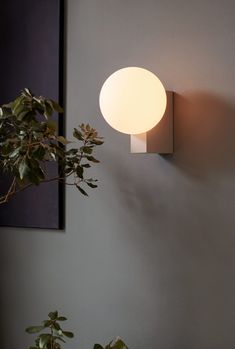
(132, 100)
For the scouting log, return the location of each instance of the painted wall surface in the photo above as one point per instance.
(150, 255)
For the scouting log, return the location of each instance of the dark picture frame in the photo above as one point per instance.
(31, 55)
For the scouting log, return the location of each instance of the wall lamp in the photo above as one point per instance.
(134, 101)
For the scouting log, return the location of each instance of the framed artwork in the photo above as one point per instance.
(31, 55)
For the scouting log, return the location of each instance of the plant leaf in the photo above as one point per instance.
(23, 169)
(63, 140)
(15, 152)
(56, 326)
(39, 153)
(56, 107)
(53, 315)
(91, 158)
(79, 171)
(47, 323)
(34, 329)
(97, 142)
(44, 340)
(77, 134)
(52, 125)
(91, 185)
(87, 150)
(81, 190)
(116, 344)
(98, 346)
(68, 334)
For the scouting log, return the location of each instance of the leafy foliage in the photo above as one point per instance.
(114, 344)
(29, 140)
(55, 335)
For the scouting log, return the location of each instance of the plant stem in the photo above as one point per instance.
(52, 345)
(4, 198)
(11, 191)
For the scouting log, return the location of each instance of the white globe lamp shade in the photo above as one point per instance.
(133, 100)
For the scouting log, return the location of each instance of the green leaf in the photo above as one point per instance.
(71, 151)
(53, 315)
(48, 111)
(53, 155)
(77, 134)
(91, 185)
(56, 326)
(16, 105)
(47, 323)
(91, 180)
(23, 169)
(57, 107)
(91, 158)
(22, 114)
(87, 150)
(98, 346)
(26, 92)
(34, 329)
(68, 334)
(44, 340)
(81, 190)
(52, 125)
(116, 344)
(61, 318)
(97, 142)
(5, 112)
(63, 140)
(39, 153)
(27, 117)
(15, 152)
(34, 177)
(79, 171)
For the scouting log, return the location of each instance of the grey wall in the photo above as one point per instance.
(150, 255)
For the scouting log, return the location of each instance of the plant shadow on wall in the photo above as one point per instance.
(181, 219)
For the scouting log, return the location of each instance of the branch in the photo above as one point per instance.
(11, 191)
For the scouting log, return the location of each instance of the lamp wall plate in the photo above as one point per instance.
(159, 139)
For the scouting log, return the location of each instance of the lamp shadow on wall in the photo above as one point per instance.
(204, 148)
(204, 135)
